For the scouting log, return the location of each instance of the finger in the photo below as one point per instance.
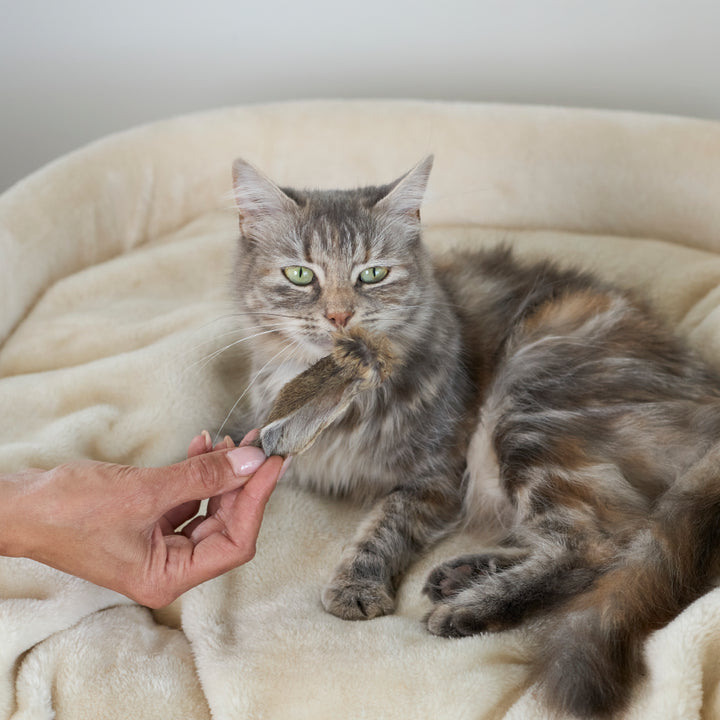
(214, 503)
(233, 542)
(199, 444)
(182, 513)
(165, 526)
(191, 527)
(225, 444)
(247, 440)
(251, 437)
(285, 466)
(246, 513)
(243, 509)
(201, 476)
(227, 441)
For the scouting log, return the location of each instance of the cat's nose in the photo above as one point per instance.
(339, 318)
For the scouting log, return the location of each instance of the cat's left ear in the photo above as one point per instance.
(259, 200)
(406, 193)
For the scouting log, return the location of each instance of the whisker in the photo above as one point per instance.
(285, 362)
(289, 346)
(266, 313)
(205, 360)
(214, 338)
(244, 328)
(229, 316)
(239, 329)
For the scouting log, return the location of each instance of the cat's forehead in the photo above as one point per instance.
(339, 223)
(330, 201)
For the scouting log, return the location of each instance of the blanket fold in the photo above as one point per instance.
(117, 332)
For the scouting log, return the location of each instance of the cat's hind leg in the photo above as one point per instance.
(449, 578)
(501, 600)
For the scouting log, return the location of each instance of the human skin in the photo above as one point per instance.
(115, 525)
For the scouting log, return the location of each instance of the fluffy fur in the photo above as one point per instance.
(482, 387)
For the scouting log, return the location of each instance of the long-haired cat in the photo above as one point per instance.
(477, 385)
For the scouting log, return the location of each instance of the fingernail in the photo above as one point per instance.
(251, 437)
(208, 440)
(246, 460)
(285, 466)
(228, 442)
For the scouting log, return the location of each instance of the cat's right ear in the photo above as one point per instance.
(259, 200)
(406, 193)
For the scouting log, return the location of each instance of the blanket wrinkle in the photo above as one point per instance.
(116, 306)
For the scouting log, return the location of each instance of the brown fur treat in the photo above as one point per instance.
(312, 400)
(524, 397)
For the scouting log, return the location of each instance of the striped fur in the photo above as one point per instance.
(530, 397)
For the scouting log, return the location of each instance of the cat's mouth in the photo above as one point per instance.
(318, 344)
(314, 345)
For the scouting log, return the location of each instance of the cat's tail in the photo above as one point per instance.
(593, 652)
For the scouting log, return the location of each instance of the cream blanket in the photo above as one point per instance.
(114, 288)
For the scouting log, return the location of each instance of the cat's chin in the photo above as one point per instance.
(312, 350)
(316, 347)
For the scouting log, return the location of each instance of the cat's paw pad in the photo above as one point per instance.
(364, 356)
(357, 599)
(452, 577)
(453, 620)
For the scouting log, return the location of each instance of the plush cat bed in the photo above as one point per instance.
(114, 279)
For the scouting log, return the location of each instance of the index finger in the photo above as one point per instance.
(246, 513)
(201, 476)
(234, 544)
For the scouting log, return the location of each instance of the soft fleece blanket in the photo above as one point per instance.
(114, 295)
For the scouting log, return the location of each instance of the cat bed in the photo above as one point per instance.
(114, 277)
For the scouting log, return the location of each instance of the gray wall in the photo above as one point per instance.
(74, 70)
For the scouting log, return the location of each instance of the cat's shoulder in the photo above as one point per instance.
(503, 263)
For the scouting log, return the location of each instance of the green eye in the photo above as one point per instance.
(299, 275)
(373, 274)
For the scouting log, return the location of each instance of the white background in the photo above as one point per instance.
(74, 70)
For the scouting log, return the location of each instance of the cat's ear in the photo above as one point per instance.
(258, 198)
(406, 193)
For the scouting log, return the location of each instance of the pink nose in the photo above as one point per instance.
(339, 318)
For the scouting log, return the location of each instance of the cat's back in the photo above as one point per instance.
(514, 313)
(499, 299)
(495, 282)
(571, 371)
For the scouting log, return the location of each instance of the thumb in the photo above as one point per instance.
(205, 476)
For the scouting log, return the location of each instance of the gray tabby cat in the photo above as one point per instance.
(478, 386)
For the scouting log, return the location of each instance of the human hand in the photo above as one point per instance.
(115, 525)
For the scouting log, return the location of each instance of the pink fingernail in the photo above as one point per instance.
(251, 437)
(208, 440)
(246, 460)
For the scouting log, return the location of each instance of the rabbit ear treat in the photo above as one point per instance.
(360, 361)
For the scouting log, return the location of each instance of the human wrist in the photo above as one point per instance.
(14, 535)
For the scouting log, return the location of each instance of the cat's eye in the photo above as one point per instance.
(299, 275)
(373, 274)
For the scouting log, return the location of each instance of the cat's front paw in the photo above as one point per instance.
(353, 598)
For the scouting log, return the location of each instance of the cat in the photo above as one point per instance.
(477, 387)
